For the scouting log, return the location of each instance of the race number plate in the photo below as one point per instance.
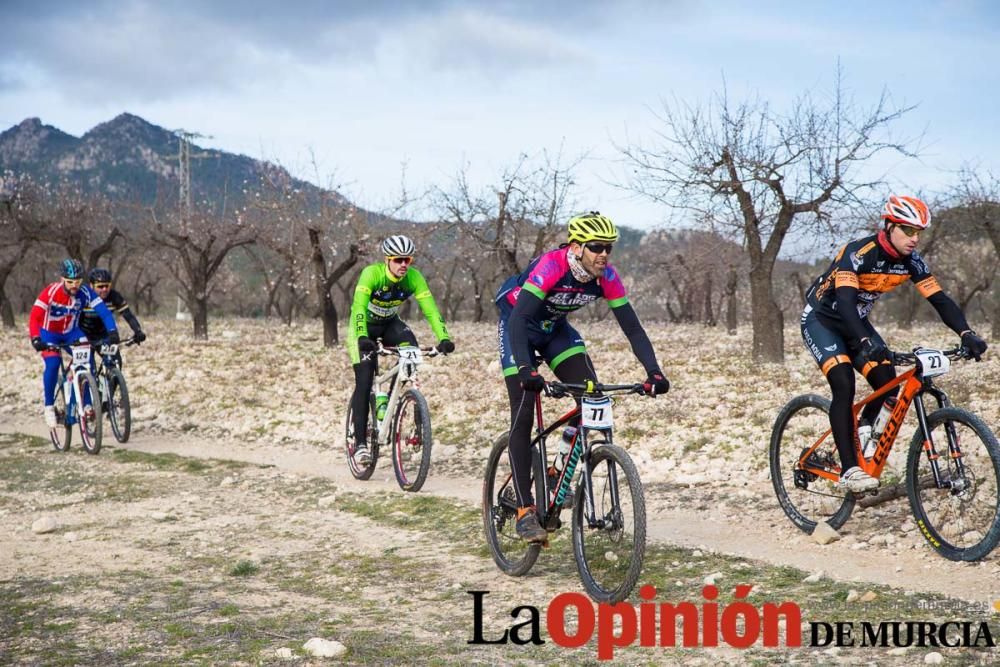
(933, 362)
(109, 350)
(410, 354)
(81, 355)
(597, 414)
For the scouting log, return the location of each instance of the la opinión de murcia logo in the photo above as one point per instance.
(738, 624)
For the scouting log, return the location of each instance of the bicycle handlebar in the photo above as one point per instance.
(69, 346)
(909, 359)
(393, 350)
(559, 389)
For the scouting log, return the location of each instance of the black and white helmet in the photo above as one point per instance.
(398, 246)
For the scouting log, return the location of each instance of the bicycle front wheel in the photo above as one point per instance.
(411, 440)
(62, 434)
(961, 519)
(117, 405)
(805, 497)
(91, 424)
(512, 555)
(361, 470)
(610, 546)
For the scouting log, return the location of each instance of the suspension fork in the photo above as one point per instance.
(952, 436)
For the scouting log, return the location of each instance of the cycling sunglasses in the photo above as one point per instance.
(401, 260)
(909, 231)
(72, 282)
(102, 285)
(598, 248)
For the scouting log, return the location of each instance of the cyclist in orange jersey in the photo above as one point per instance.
(839, 335)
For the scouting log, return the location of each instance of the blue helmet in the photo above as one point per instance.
(72, 269)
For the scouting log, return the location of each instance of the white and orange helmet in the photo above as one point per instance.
(908, 211)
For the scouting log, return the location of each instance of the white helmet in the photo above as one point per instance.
(398, 246)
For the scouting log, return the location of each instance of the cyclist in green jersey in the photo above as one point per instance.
(382, 288)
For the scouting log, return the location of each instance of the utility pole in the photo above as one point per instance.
(184, 158)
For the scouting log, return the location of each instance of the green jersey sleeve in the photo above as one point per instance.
(368, 282)
(422, 293)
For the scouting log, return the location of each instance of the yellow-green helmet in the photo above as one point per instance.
(592, 227)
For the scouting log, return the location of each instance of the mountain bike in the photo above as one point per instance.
(952, 467)
(113, 390)
(405, 424)
(77, 402)
(609, 511)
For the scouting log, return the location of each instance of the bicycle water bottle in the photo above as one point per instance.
(565, 445)
(866, 439)
(381, 401)
(881, 421)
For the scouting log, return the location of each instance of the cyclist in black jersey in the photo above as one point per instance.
(837, 332)
(91, 323)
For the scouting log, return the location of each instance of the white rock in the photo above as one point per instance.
(228, 481)
(852, 595)
(327, 501)
(933, 658)
(824, 533)
(324, 648)
(71, 537)
(44, 525)
(710, 579)
(158, 516)
(813, 578)
(899, 650)
(284, 653)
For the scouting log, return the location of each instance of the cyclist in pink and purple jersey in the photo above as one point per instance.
(533, 308)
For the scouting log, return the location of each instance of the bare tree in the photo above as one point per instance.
(199, 245)
(519, 216)
(17, 202)
(752, 173)
(978, 196)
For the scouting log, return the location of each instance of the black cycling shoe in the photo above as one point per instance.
(528, 528)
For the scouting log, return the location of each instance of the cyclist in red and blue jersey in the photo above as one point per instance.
(837, 332)
(54, 320)
(533, 308)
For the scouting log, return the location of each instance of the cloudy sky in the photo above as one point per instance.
(369, 86)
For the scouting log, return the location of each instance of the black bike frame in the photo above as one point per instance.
(579, 451)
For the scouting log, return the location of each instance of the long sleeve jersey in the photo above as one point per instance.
(58, 311)
(379, 295)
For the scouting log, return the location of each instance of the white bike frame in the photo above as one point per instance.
(405, 372)
(79, 365)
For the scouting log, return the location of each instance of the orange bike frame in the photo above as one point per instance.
(874, 467)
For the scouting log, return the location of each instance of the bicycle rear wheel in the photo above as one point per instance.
(961, 520)
(360, 470)
(118, 408)
(610, 551)
(91, 423)
(805, 497)
(62, 434)
(411, 440)
(512, 555)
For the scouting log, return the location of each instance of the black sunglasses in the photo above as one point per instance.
(598, 248)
